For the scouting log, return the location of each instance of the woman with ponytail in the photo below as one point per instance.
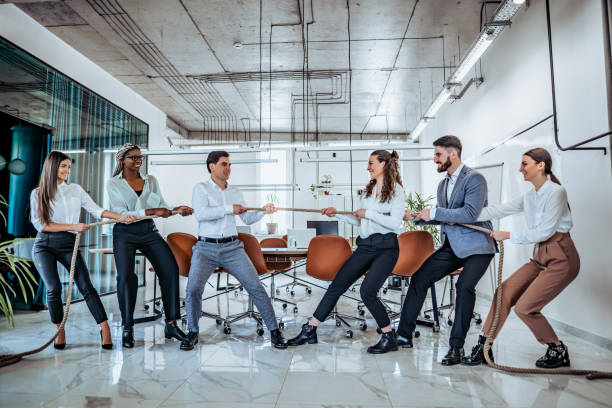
(379, 220)
(55, 211)
(133, 193)
(554, 265)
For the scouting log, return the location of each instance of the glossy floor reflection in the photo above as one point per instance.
(243, 370)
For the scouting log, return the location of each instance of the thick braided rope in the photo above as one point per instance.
(590, 374)
(8, 359)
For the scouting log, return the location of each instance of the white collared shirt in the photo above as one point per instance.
(124, 200)
(65, 206)
(375, 221)
(546, 212)
(450, 186)
(214, 209)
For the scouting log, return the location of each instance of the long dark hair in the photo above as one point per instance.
(541, 155)
(391, 175)
(47, 187)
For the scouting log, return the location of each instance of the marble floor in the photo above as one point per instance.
(243, 370)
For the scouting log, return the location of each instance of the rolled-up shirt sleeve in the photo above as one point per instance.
(547, 225)
(89, 205)
(351, 219)
(34, 211)
(249, 217)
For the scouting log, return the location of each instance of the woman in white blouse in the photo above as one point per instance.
(379, 220)
(132, 193)
(55, 212)
(555, 261)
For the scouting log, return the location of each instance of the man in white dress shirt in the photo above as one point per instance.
(215, 205)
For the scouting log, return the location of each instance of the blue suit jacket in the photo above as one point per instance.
(467, 200)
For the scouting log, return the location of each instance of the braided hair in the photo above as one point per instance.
(121, 154)
(391, 175)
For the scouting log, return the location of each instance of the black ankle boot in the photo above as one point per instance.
(191, 339)
(127, 337)
(454, 356)
(477, 356)
(277, 339)
(404, 342)
(172, 330)
(307, 335)
(387, 343)
(556, 356)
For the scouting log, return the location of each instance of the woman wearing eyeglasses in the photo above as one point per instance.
(130, 192)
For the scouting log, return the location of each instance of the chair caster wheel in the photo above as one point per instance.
(361, 312)
(378, 330)
(349, 334)
(227, 330)
(284, 306)
(450, 322)
(384, 291)
(295, 310)
(436, 329)
(292, 293)
(427, 316)
(183, 323)
(478, 321)
(146, 307)
(218, 321)
(236, 294)
(287, 289)
(278, 291)
(309, 291)
(281, 325)
(416, 333)
(363, 327)
(338, 324)
(260, 332)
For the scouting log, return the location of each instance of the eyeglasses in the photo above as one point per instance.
(135, 158)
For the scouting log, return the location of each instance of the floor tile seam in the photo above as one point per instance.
(382, 377)
(280, 390)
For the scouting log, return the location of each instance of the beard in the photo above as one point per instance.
(442, 167)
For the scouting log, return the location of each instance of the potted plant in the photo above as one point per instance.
(324, 186)
(415, 203)
(13, 268)
(272, 226)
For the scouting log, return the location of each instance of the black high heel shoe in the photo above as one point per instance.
(108, 346)
(127, 337)
(172, 330)
(59, 346)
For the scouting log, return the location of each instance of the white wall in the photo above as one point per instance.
(25, 32)
(517, 93)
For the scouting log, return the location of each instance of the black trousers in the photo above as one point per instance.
(50, 248)
(143, 235)
(437, 266)
(376, 253)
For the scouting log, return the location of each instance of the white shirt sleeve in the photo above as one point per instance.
(547, 225)
(249, 217)
(394, 220)
(351, 219)
(502, 210)
(89, 205)
(116, 201)
(34, 211)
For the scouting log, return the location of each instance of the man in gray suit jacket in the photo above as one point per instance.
(461, 196)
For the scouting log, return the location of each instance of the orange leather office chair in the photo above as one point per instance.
(326, 255)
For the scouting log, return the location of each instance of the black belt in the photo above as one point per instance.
(219, 240)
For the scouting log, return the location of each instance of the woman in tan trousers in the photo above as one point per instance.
(554, 265)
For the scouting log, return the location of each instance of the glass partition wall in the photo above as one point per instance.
(70, 118)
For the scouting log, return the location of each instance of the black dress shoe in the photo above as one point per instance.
(59, 346)
(191, 339)
(477, 356)
(127, 338)
(277, 339)
(387, 343)
(172, 330)
(404, 342)
(555, 357)
(453, 357)
(108, 346)
(307, 335)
